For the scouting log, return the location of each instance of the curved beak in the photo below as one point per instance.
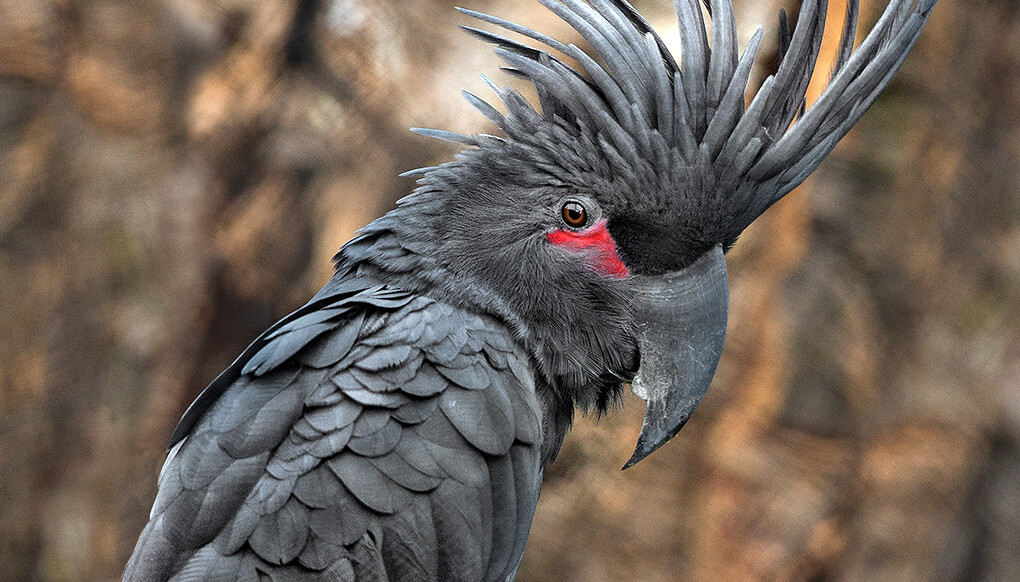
(681, 317)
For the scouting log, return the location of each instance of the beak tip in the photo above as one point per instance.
(648, 442)
(637, 457)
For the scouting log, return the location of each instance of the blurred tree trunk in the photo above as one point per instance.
(175, 174)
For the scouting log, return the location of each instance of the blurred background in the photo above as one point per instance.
(176, 174)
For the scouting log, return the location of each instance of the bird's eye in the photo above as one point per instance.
(574, 215)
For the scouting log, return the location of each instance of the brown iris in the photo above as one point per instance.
(574, 215)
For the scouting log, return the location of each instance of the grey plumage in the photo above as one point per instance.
(397, 426)
(298, 462)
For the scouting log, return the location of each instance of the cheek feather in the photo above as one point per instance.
(597, 244)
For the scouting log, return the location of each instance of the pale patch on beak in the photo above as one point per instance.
(681, 318)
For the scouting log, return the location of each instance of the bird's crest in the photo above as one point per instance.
(657, 121)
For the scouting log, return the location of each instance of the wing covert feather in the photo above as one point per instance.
(400, 443)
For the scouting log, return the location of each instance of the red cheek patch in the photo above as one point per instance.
(595, 242)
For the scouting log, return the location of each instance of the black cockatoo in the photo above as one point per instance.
(397, 426)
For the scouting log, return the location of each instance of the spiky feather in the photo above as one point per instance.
(649, 114)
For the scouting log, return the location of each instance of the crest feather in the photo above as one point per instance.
(649, 114)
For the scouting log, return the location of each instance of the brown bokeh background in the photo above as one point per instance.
(175, 174)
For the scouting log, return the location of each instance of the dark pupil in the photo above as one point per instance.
(573, 213)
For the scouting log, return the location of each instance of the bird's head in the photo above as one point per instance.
(611, 205)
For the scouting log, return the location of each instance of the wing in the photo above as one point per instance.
(381, 436)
